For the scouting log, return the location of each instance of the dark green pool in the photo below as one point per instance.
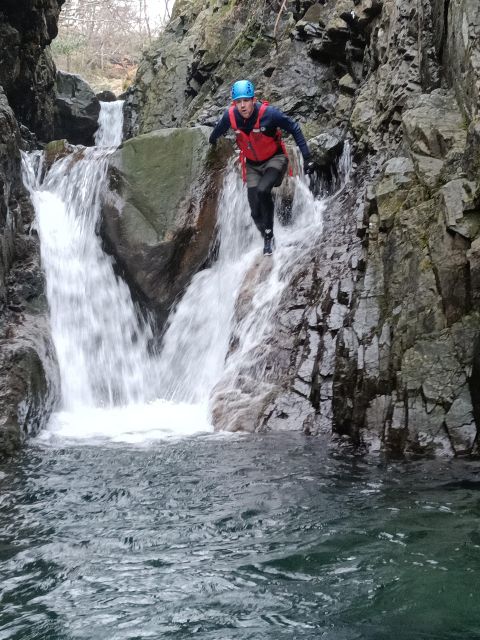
(237, 538)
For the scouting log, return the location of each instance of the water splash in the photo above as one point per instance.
(199, 334)
(102, 346)
(196, 341)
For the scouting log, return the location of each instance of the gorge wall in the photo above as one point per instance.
(27, 78)
(378, 333)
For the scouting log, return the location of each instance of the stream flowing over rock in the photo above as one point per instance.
(377, 334)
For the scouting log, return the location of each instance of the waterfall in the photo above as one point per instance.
(196, 343)
(101, 345)
(110, 124)
(112, 385)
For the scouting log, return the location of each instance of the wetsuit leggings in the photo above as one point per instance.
(261, 201)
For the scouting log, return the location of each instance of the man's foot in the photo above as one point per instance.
(268, 243)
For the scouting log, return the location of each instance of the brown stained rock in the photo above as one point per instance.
(59, 149)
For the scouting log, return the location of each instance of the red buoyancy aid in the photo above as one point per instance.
(255, 145)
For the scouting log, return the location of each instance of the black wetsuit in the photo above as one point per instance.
(261, 178)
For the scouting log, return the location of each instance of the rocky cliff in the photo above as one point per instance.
(381, 324)
(27, 72)
(27, 77)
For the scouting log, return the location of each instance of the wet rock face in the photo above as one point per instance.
(186, 77)
(161, 224)
(9, 188)
(28, 382)
(26, 392)
(27, 79)
(76, 110)
(422, 220)
(377, 334)
(27, 72)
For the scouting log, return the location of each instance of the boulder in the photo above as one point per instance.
(106, 96)
(160, 220)
(28, 383)
(76, 110)
(327, 147)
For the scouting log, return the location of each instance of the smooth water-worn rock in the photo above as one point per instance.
(76, 110)
(159, 222)
(28, 381)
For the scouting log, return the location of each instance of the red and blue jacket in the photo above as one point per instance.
(271, 121)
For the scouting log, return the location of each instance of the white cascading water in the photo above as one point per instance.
(107, 373)
(112, 386)
(101, 346)
(196, 342)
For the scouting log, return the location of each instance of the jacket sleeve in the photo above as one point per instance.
(221, 128)
(279, 119)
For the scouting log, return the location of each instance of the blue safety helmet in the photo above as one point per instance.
(243, 89)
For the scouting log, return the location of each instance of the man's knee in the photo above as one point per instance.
(264, 191)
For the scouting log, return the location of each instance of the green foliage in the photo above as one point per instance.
(68, 43)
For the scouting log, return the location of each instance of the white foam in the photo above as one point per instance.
(134, 424)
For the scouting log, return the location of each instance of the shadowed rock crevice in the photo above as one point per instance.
(27, 71)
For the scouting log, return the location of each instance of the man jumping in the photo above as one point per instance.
(262, 151)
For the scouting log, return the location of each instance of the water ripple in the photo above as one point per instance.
(261, 538)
